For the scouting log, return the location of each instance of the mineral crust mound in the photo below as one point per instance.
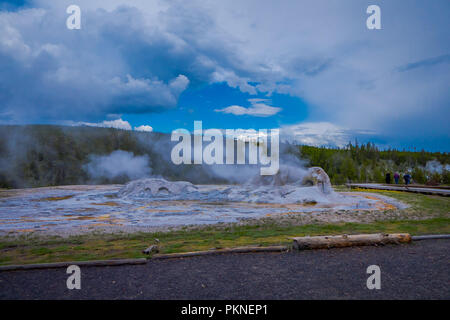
(290, 185)
(155, 187)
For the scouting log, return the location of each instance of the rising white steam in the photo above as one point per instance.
(119, 164)
(436, 167)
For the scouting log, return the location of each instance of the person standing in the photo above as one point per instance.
(407, 178)
(388, 178)
(396, 177)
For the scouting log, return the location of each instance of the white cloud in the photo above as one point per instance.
(233, 80)
(257, 109)
(316, 134)
(144, 128)
(117, 124)
(179, 84)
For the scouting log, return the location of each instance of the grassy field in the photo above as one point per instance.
(429, 215)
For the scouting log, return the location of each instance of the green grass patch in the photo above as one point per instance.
(113, 246)
(420, 203)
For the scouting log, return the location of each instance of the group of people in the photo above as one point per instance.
(407, 177)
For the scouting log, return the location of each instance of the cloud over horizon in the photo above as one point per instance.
(143, 128)
(116, 124)
(318, 134)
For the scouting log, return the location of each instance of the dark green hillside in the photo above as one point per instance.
(42, 155)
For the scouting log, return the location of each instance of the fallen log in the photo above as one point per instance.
(324, 242)
(93, 263)
(220, 251)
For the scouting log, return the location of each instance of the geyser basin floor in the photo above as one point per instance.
(79, 209)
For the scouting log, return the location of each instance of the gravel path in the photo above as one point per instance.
(416, 271)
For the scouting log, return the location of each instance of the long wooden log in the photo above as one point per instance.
(219, 251)
(93, 263)
(323, 242)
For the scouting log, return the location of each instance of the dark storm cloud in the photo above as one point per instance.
(117, 63)
(56, 73)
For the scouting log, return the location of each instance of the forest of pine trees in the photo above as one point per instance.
(366, 163)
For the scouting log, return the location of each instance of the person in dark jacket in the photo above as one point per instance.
(407, 178)
(388, 178)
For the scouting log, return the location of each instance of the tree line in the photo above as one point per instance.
(367, 163)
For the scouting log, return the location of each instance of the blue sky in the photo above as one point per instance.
(310, 68)
(200, 104)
